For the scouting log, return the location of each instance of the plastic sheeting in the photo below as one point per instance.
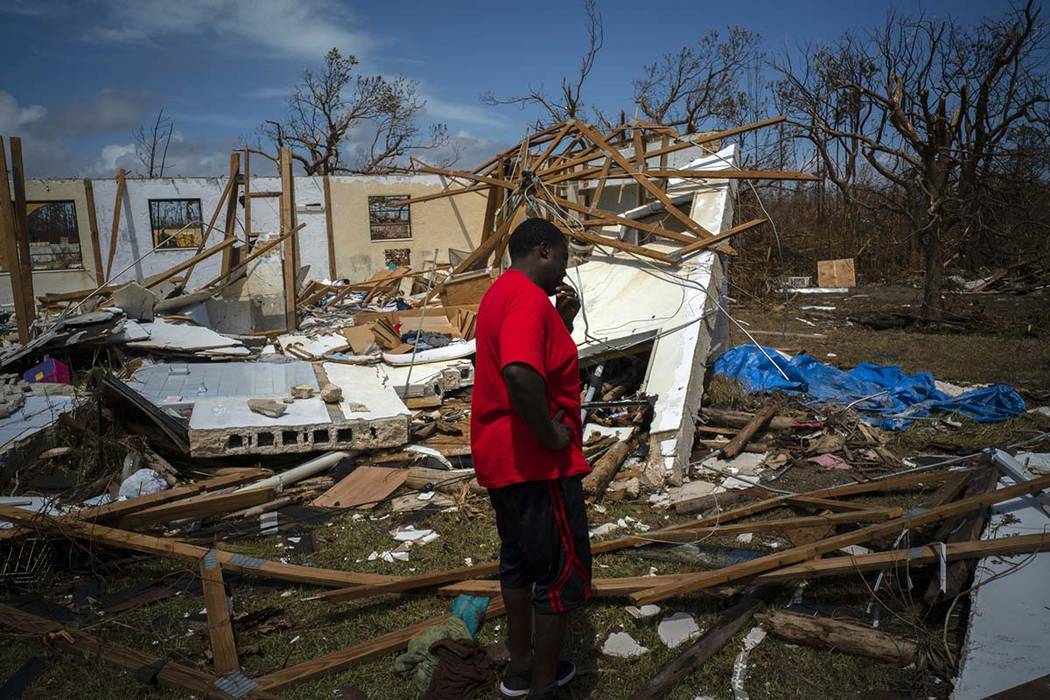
(892, 397)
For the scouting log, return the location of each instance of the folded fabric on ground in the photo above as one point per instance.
(892, 397)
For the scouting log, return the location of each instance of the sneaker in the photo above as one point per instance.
(516, 684)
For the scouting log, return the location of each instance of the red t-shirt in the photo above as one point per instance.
(517, 323)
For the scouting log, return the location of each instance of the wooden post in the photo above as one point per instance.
(736, 445)
(231, 255)
(220, 630)
(117, 206)
(25, 260)
(329, 229)
(96, 248)
(291, 245)
(8, 229)
(246, 186)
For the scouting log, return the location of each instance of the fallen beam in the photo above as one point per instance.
(731, 574)
(220, 629)
(839, 635)
(72, 642)
(198, 508)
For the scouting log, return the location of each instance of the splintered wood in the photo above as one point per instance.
(546, 171)
(363, 488)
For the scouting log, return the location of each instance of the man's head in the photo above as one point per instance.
(539, 249)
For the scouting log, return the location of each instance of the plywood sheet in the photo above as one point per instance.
(836, 273)
(362, 488)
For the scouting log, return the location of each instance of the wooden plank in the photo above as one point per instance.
(25, 260)
(644, 182)
(329, 228)
(438, 195)
(858, 516)
(605, 218)
(836, 273)
(168, 547)
(8, 229)
(291, 244)
(736, 445)
(96, 246)
(118, 205)
(229, 256)
(617, 244)
(844, 636)
(493, 181)
(826, 503)
(639, 161)
(188, 263)
(829, 566)
(220, 629)
(794, 555)
(730, 174)
(363, 488)
(197, 507)
(358, 653)
(693, 248)
(72, 642)
(247, 196)
(227, 192)
(710, 643)
(411, 583)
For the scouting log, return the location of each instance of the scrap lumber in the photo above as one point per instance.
(736, 445)
(605, 468)
(25, 259)
(168, 547)
(220, 630)
(687, 534)
(825, 503)
(258, 252)
(359, 653)
(228, 192)
(410, 583)
(198, 507)
(9, 231)
(964, 529)
(731, 574)
(839, 635)
(692, 248)
(118, 205)
(96, 248)
(817, 568)
(739, 419)
(222, 245)
(72, 642)
(363, 488)
(707, 645)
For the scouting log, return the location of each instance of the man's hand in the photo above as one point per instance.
(567, 304)
(559, 435)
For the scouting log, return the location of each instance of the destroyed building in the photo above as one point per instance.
(208, 368)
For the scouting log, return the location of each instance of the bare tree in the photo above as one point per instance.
(568, 102)
(699, 83)
(151, 144)
(338, 122)
(929, 111)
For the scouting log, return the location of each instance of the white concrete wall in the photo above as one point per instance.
(135, 238)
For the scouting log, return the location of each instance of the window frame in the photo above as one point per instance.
(407, 214)
(153, 232)
(76, 230)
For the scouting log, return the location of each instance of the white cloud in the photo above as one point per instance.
(267, 93)
(115, 156)
(294, 29)
(461, 112)
(14, 117)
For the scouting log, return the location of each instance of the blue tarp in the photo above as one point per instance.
(891, 396)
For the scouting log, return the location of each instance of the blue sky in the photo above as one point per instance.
(80, 75)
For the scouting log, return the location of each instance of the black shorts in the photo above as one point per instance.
(545, 544)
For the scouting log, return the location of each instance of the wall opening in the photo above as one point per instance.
(386, 220)
(176, 223)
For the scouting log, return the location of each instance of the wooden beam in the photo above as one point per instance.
(730, 174)
(795, 555)
(841, 635)
(118, 205)
(168, 547)
(736, 445)
(329, 228)
(693, 248)
(96, 247)
(617, 244)
(229, 256)
(358, 653)
(439, 195)
(72, 642)
(8, 229)
(220, 629)
(227, 192)
(493, 181)
(197, 507)
(603, 215)
(25, 259)
(247, 196)
(643, 181)
(291, 243)
(825, 503)
(188, 263)
(603, 176)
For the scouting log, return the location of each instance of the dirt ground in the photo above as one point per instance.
(277, 624)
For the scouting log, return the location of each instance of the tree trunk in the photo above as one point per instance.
(840, 635)
(933, 262)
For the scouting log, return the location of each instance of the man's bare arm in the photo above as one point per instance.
(528, 394)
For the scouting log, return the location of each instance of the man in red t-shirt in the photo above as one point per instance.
(527, 441)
